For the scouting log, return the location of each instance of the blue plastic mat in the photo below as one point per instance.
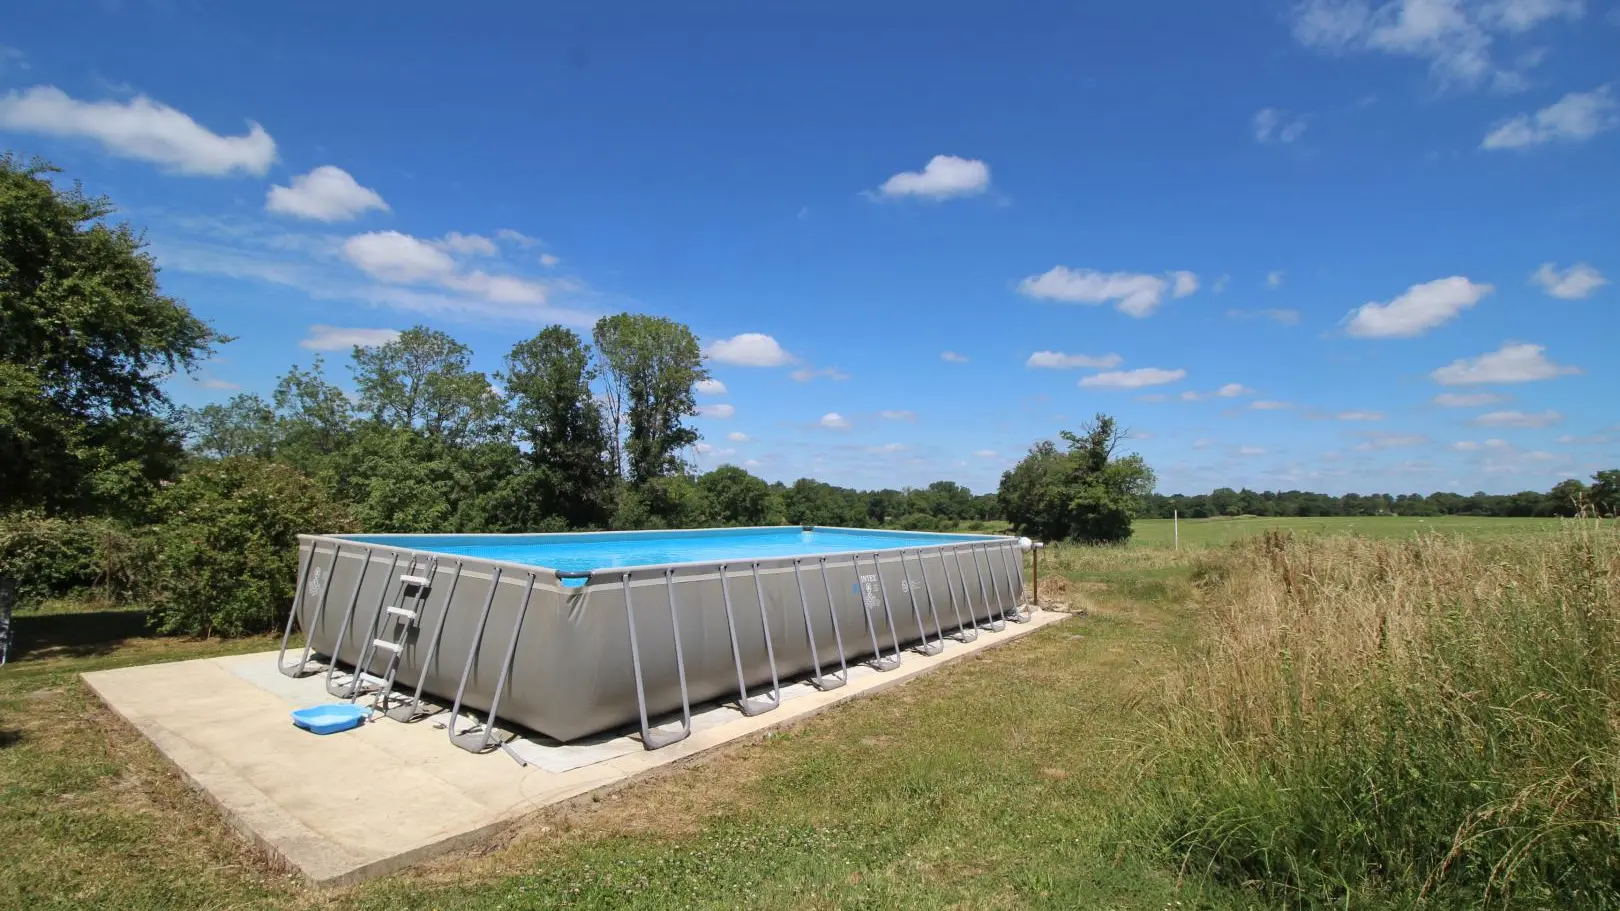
(329, 719)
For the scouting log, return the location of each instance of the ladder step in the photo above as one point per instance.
(418, 581)
(402, 613)
(371, 680)
(384, 643)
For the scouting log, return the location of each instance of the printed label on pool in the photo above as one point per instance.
(870, 596)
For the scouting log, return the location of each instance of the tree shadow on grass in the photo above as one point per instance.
(10, 738)
(85, 634)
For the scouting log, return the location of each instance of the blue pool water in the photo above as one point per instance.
(583, 551)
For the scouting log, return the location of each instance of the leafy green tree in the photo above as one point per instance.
(314, 419)
(738, 498)
(1086, 494)
(245, 425)
(228, 545)
(548, 386)
(651, 365)
(672, 501)
(423, 381)
(86, 339)
(1605, 492)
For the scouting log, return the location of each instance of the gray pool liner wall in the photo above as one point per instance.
(513, 642)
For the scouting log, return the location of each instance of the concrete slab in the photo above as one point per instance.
(351, 806)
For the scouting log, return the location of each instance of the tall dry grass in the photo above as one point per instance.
(1429, 723)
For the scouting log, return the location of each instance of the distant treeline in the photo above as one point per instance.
(1567, 498)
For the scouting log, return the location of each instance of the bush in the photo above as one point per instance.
(1386, 724)
(228, 545)
(59, 558)
(920, 521)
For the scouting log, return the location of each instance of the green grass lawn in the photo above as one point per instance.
(1205, 532)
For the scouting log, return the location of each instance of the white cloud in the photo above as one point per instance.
(337, 338)
(943, 177)
(1132, 379)
(951, 357)
(468, 244)
(1274, 279)
(750, 349)
(1203, 443)
(737, 436)
(209, 382)
(1276, 125)
(1379, 440)
(139, 128)
(806, 374)
(1420, 309)
(721, 410)
(1276, 315)
(517, 238)
(13, 59)
(1576, 116)
(394, 257)
(1518, 419)
(710, 387)
(1575, 283)
(1492, 445)
(898, 415)
(549, 260)
(1455, 36)
(1512, 363)
(1251, 450)
(1265, 405)
(834, 421)
(1057, 360)
(886, 448)
(1232, 390)
(986, 453)
(1360, 415)
(1467, 400)
(324, 194)
(1134, 294)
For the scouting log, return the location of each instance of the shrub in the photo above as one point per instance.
(1404, 724)
(51, 557)
(228, 545)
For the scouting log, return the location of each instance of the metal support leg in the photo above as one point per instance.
(343, 628)
(464, 738)
(995, 589)
(832, 613)
(486, 737)
(967, 596)
(652, 738)
(928, 589)
(1012, 568)
(302, 667)
(924, 647)
(879, 661)
(412, 711)
(966, 631)
(762, 704)
(996, 625)
(817, 679)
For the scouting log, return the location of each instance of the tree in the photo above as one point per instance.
(738, 498)
(651, 365)
(314, 419)
(1605, 492)
(228, 545)
(422, 381)
(245, 425)
(86, 339)
(1085, 494)
(548, 385)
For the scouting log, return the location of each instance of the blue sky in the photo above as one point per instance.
(1333, 244)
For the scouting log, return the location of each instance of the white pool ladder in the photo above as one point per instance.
(392, 629)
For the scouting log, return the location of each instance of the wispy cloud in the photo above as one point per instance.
(944, 177)
(1134, 294)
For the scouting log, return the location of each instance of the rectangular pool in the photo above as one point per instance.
(579, 633)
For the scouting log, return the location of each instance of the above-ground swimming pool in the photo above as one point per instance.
(575, 634)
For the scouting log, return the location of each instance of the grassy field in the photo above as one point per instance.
(1206, 532)
(1025, 778)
